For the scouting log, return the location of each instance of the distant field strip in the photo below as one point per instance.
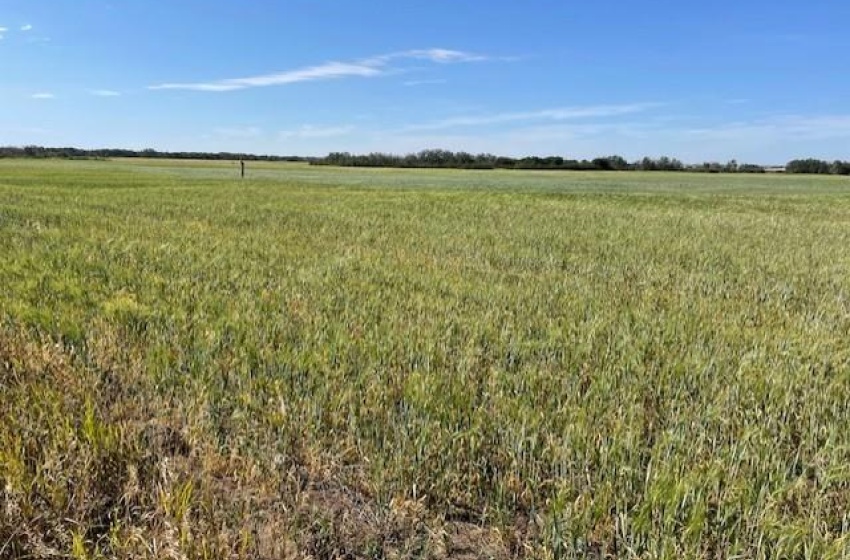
(407, 363)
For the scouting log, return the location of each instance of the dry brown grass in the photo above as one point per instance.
(112, 471)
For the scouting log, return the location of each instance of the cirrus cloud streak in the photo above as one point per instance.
(365, 68)
(557, 114)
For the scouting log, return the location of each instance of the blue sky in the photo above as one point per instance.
(757, 80)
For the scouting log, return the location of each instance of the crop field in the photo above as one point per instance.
(354, 363)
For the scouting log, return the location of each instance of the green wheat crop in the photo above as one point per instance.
(319, 362)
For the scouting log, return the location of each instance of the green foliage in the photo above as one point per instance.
(462, 160)
(818, 167)
(344, 362)
(41, 152)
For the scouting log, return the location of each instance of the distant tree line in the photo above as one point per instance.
(78, 153)
(464, 160)
(444, 159)
(817, 166)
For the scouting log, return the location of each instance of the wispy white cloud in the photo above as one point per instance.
(43, 95)
(365, 68)
(311, 131)
(414, 83)
(3, 31)
(795, 127)
(26, 27)
(322, 72)
(441, 56)
(104, 92)
(693, 138)
(557, 114)
(767, 140)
